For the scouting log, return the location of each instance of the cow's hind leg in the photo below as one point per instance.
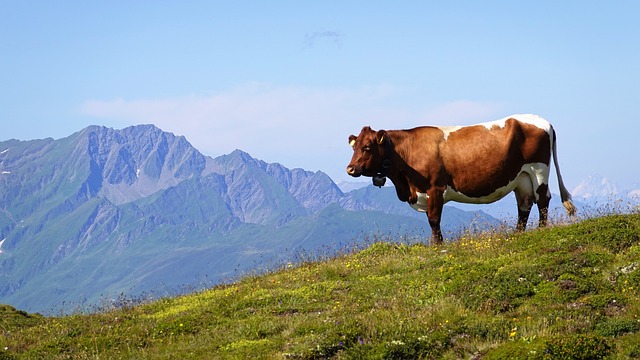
(525, 199)
(544, 196)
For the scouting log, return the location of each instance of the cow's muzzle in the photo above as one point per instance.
(353, 171)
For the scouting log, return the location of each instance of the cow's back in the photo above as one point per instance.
(481, 158)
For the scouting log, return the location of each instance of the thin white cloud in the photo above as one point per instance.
(333, 37)
(264, 120)
(297, 126)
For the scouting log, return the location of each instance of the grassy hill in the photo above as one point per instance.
(569, 292)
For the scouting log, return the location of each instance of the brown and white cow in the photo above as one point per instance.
(476, 164)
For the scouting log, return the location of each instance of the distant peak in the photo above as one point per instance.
(95, 128)
(142, 128)
(145, 128)
(238, 152)
(135, 133)
(594, 186)
(148, 127)
(239, 155)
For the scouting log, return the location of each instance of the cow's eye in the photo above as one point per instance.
(367, 148)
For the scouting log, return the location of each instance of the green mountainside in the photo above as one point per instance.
(566, 292)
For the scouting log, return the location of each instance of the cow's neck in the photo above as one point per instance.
(380, 178)
(397, 165)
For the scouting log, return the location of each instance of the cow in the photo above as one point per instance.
(478, 164)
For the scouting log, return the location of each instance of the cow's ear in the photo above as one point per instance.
(381, 136)
(352, 140)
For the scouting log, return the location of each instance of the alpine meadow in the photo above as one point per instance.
(565, 292)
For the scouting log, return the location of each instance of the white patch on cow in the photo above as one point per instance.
(498, 123)
(533, 120)
(421, 204)
(530, 177)
(525, 118)
(449, 129)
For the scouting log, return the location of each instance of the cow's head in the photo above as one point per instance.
(368, 152)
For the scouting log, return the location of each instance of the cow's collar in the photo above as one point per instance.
(381, 177)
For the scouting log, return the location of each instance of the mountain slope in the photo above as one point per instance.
(106, 212)
(254, 195)
(568, 292)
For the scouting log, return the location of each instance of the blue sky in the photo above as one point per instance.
(289, 81)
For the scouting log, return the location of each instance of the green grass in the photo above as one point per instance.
(566, 292)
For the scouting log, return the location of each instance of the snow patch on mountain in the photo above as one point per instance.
(596, 186)
(347, 186)
(600, 189)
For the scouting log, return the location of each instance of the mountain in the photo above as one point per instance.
(347, 186)
(603, 195)
(594, 187)
(106, 212)
(598, 187)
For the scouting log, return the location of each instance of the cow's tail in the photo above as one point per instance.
(564, 193)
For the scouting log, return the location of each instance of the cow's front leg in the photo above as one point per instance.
(435, 202)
